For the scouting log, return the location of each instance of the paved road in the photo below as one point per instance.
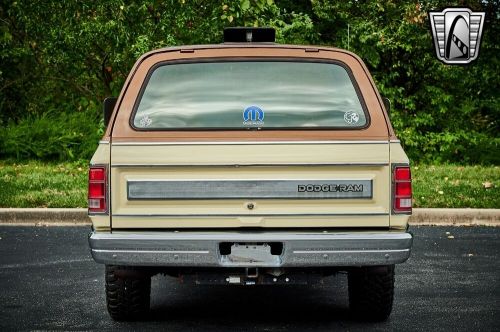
(49, 281)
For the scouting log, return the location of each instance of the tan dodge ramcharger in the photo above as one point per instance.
(249, 163)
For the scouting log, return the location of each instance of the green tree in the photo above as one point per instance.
(59, 59)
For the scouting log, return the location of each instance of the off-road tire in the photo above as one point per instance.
(371, 292)
(127, 295)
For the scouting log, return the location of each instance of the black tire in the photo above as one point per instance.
(127, 293)
(371, 292)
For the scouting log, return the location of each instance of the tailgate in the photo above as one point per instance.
(275, 184)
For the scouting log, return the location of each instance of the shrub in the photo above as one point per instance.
(62, 136)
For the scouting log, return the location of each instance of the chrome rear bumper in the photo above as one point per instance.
(202, 249)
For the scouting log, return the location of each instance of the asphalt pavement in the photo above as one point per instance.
(48, 281)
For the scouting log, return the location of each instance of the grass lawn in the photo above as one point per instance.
(452, 186)
(38, 184)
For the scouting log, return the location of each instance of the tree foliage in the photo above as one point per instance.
(59, 59)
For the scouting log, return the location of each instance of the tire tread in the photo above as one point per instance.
(371, 293)
(127, 298)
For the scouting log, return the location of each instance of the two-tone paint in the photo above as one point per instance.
(293, 157)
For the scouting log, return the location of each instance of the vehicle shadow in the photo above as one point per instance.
(289, 307)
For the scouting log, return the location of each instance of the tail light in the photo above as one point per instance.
(98, 189)
(401, 189)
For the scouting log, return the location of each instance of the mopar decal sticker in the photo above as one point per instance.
(253, 116)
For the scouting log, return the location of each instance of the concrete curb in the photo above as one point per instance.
(42, 216)
(456, 217)
(420, 217)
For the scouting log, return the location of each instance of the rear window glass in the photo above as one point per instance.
(249, 94)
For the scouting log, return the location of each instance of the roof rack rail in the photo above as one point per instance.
(249, 35)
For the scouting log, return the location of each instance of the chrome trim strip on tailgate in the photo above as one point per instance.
(249, 143)
(189, 248)
(134, 215)
(248, 189)
(252, 165)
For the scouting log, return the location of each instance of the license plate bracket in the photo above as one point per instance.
(251, 254)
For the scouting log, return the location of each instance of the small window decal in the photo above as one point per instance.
(253, 116)
(145, 121)
(351, 117)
